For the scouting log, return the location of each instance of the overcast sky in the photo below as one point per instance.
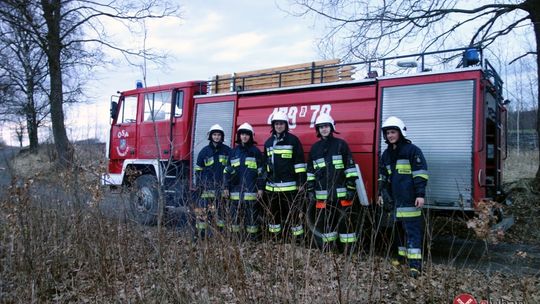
(212, 37)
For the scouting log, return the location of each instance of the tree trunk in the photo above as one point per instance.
(535, 18)
(51, 13)
(31, 119)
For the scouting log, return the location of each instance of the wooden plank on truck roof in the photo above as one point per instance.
(285, 68)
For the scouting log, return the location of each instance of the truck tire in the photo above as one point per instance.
(144, 200)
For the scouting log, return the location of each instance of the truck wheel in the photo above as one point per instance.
(144, 200)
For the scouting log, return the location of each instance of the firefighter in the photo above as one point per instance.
(209, 179)
(403, 178)
(285, 178)
(244, 183)
(332, 185)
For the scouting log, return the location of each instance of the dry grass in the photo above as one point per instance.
(54, 249)
(59, 243)
(519, 166)
(57, 250)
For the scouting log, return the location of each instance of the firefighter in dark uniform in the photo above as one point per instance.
(209, 180)
(403, 177)
(332, 184)
(285, 178)
(244, 184)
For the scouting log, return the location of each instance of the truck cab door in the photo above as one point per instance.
(155, 126)
(124, 130)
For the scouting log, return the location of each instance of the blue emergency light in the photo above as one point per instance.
(139, 84)
(471, 57)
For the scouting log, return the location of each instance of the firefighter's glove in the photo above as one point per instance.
(350, 195)
(388, 201)
(311, 196)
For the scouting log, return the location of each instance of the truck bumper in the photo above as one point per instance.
(108, 179)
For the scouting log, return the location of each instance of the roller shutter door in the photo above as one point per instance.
(439, 119)
(206, 115)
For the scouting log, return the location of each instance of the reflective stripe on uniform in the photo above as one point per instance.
(414, 253)
(235, 162)
(341, 192)
(403, 166)
(420, 173)
(351, 172)
(281, 187)
(252, 229)
(337, 161)
(235, 196)
(220, 223)
(208, 194)
(235, 228)
(329, 237)
(201, 225)
(223, 159)
(297, 230)
(299, 168)
(251, 162)
(274, 228)
(389, 169)
(402, 251)
(250, 196)
(286, 149)
(319, 163)
(209, 161)
(310, 177)
(198, 168)
(321, 194)
(408, 212)
(347, 237)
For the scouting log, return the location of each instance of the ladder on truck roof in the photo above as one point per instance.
(329, 71)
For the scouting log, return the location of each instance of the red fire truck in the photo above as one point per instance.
(455, 114)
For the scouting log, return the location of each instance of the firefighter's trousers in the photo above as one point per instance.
(208, 211)
(285, 213)
(333, 221)
(410, 239)
(244, 214)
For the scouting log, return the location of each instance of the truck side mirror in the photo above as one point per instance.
(114, 108)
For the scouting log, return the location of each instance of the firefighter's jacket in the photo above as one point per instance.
(403, 171)
(209, 167)
(243, 175)
(284, 163)
(331, 169)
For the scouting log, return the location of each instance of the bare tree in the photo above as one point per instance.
(18, 129)
(66, 29)
(367, 29)
(24, 70)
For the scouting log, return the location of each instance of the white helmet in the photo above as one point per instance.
(280, 116)
(325, 118)
(215, 128)
(393, 122)
(246, 127)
